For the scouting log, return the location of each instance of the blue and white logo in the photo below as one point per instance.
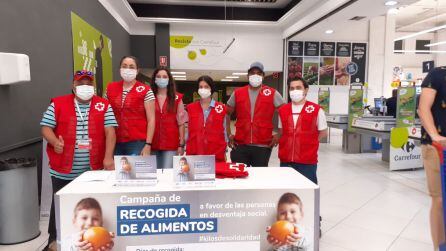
(351, 68)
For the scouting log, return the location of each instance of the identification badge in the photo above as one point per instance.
(84, 144)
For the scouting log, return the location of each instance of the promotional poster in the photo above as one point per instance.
(190, 220)
(92, 51)
(324, 99)
(135, 170)
(338, 63)
(355, 105)
(194, 169)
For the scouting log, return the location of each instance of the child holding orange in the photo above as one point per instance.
(288, 234)
(87, 214)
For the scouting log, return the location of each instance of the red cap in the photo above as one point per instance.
(78, 75)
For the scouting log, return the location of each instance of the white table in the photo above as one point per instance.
(240, 208)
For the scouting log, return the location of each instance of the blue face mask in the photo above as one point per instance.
(162, 82)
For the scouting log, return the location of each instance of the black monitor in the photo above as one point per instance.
(378, 103)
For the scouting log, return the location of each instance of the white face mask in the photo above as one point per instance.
(296, 95)
(204, 92)
(255, 80)
(162, 82)
(128, 74)
(84, 92)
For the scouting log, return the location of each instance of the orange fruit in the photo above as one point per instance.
(97, 236)
(281, 229)
(186, 168)
(127, 167)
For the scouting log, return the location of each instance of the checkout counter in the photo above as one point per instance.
(352, 142)
(380, 127)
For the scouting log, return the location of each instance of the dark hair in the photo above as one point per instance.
(183, 158)
(87, 203)
(394, 92)
(131, 57)
(171, 89)
(297, 79)
(208, 81)
(290, 198)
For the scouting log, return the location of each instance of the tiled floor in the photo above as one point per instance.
(364, 206)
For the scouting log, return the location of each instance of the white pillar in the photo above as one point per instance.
(388, 55)
(440, 58)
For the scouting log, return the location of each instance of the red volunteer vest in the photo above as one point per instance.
(66, 122)
(166, 136)
(299, 144)
(260, 129)
(130, 115)
(206, 137)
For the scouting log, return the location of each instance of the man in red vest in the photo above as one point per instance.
(302, 124)
(254, 106)
(79, 129)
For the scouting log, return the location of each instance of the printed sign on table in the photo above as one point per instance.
(194, 170)
(198, 220)
(135, 170)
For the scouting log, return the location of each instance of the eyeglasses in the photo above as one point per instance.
(84, 72)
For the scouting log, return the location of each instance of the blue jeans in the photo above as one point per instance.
(309, 171)
(164, 159)
(129, 148)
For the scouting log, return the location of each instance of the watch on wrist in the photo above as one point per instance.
(148, 144)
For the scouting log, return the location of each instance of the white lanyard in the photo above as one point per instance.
(80, 113)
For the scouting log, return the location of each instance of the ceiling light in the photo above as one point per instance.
(179, 76)
(421, 32)
(239, 73)
(227, 80)
(392, 11)
(418, 51)
(435, 44)
(232, 77)
(390, 3)
(329, 32)
(177, 72)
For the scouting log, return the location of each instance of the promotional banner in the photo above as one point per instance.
(295, 48)
(236, 220)
(295, 65)
(213, 50)
(92, 51)
(406, 107)
(326, 70)
(311, 70)
(342, 77)
(355, 105)
(359, 52)
(404, 153)
(311, 49)
(324, 99)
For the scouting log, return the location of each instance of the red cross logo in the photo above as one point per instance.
(140, 88)
(267, 92)
(309, 109)
(219, 108)
(99, 106)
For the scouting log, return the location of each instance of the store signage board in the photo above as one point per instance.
(328, 49)
(194, 170)
(135, 170)
(404, 153)
(311, 49)
(295, 48)
(343, 49)
(359, 57)
(428, 66)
